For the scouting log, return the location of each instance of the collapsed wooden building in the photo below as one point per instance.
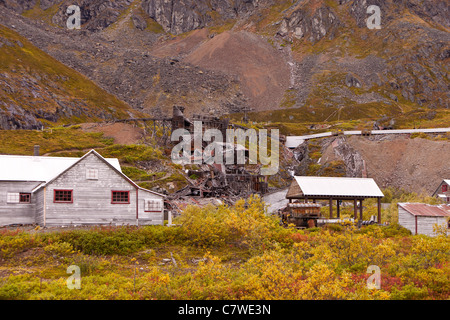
(221, 180)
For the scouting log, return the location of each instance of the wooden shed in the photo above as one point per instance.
(420, 218)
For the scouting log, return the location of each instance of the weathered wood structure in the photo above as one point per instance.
(55, 191)
(420, 218)
(443, 191)
(335, 189)
(301, 214)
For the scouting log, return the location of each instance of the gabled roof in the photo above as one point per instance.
(38, 168)
(338, 187)
(426, 210)
(446, 181)
(117, 169)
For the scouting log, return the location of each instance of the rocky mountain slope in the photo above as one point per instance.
(220, 56)
(37, 90)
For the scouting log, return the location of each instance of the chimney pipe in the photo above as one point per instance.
(36, 150)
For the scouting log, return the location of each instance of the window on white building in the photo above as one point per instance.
(92, 174)
(13, 197)
(152, 205)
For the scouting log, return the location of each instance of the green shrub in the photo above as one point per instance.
(105, 241)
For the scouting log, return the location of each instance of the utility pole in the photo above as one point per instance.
(246, 109)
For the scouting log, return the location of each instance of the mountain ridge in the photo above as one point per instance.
(148, 53)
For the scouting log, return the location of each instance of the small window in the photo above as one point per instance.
(63, 196)
(13, 197)
(444, 188)
(92, 174)
(120, 197)
(24, 197)
(152, 205)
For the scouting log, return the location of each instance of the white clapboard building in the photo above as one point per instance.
(59, 191)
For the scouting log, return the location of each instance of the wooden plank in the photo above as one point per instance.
(17, 213)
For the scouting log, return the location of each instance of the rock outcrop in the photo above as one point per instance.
(178, 16)
(314, 26)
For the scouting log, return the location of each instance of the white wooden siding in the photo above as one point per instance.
(406, 220)
(425, 224)
(147, 218)
(92, 198)
(16, 213)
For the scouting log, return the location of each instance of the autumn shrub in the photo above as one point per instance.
(245, 224)
(245, 254)
(13, 242)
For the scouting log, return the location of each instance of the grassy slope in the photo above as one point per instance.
(50, 79)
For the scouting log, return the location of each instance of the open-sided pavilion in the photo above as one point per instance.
(336, 188)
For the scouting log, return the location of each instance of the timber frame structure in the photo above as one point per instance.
(336, 189)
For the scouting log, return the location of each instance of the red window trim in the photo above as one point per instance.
(115, 202)
(444, 188)
(24, 194)
(71, 195)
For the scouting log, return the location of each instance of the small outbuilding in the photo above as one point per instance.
(420, 218)
(335, 189)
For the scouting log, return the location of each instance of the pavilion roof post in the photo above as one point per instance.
(338, 211)
(379, 211)
(331, 208)
(361, 209)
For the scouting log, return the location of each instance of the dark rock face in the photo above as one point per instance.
(322, 23)
(351, 81)
(18, 5)
(95, 15)
(178, 16)
(139, 22)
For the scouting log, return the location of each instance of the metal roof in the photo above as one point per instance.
(38, 168)
(426, 210)
(338, 186)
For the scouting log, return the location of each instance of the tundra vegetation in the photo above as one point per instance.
(225, 252)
